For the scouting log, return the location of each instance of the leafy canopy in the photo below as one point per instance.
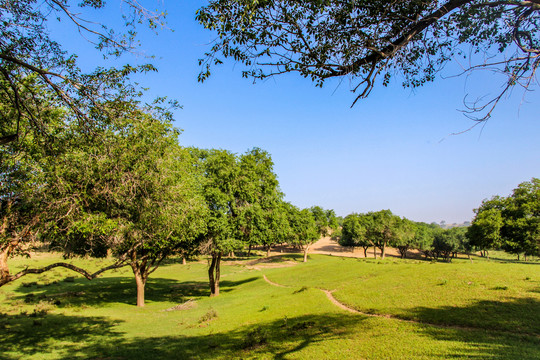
(371, 41)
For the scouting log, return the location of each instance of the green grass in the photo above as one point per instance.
(484, 310)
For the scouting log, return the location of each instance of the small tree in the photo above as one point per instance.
(382, 229)
(485, 230)
(405, 236)
(303, 228)
(354, 232)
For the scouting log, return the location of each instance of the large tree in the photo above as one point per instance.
(244, 204)
(521, 229)
(511, 223)
(131, 191)
(23, 183)
(371, 41)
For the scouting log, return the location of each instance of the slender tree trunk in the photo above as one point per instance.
(268, 251)
(374, 251)
(214, 274)
(306, 252)
(383, 250)
(249, 250)
(365, 251)
(518, 257)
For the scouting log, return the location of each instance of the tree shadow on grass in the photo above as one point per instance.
(286, 338)
(276, 339)
(36, 334)
(102, 291)
(520, 316)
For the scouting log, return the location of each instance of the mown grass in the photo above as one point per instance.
(484, 310)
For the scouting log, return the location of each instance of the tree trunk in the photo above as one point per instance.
(268, 251)
(249, 250)
(214, 274)
(4, 268)
(374, 251)
(140, 280)
(306, 252)
(383, 250)
(365, 251)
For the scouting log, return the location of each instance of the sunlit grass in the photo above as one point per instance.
(485, 310)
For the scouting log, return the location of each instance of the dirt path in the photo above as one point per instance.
(342, 306)
(273, 283)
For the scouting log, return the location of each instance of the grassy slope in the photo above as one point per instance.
(493, 310)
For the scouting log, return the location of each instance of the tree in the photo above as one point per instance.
(243, 201)
(132, 191)
(511, 223)
(521, 229)
(261, 218)
(27, 51)
(220, 171)
(446, 242)
(303, 228)
(382, 229)
(354, 232)
(405, 236)
(370, 41)
(23, 164)
(485, 230)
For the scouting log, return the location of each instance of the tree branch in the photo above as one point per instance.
(77, 269)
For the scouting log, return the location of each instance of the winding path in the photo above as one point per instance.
(341, 305)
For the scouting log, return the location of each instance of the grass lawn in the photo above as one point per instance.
(483, 310)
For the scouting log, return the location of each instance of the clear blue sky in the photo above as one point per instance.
(392, 151)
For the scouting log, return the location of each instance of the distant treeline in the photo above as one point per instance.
(508, 223)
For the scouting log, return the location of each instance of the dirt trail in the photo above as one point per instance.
(339, 304)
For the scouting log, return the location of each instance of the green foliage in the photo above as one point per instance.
(354, 231)
(303, 228)
(512, 223)
(372, 41)
(29, 53)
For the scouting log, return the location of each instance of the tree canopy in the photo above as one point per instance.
(372, 41)
(31, 60)
(511, 223)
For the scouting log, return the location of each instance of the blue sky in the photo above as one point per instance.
(393, 150)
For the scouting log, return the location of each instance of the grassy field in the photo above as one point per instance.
(409, 309)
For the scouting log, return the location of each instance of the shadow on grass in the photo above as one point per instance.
(278, 339)
(33, 335)
(505, 260)
(102, 291)
(78, 337)
(520, 316)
